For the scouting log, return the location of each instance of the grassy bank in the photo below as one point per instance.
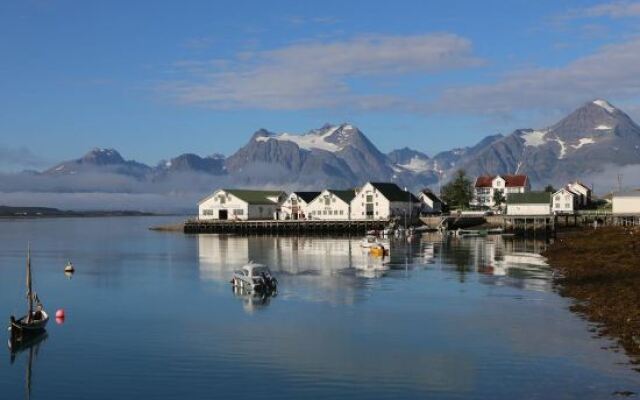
(601, 270)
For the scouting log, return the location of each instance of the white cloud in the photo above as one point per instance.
(610, 72)
(319, 74)
(616, 9)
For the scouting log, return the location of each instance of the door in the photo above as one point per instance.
(223, 214)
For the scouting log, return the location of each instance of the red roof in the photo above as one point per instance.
(510, 180)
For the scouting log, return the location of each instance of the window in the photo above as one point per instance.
(324, 212)
(369, 198)
(222, 199)
(341, 212)
(566, 205)
(558, 197)
(238, 211)
(327, 201)
(557, 205)
(207, 211)
(334, 199)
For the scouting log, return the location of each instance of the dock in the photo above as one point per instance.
(287, 227)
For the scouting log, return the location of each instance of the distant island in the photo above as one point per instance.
(31, 212)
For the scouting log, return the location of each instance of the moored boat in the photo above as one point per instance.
(254, 277)
(35, 322)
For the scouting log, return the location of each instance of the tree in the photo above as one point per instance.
(458, 192)
(498, 198)
(549, 189)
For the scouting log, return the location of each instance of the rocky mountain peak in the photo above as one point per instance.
(99, 156)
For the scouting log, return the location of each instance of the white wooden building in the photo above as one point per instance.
(429, 202)
(382, 200)
(331, 205)
(530, 203)
(583, 191)
(626, 203)
(565, 201)
(296, 205)
(236, 204)
(486, 186)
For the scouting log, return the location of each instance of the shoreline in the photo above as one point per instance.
(599, 269)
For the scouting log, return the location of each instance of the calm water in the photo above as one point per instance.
(152, 315)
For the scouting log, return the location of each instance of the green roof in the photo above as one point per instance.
(254, 196)
(392, 192)
(345, 195)
(529, 198)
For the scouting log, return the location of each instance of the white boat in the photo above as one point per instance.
(254, 277)
(69, 268)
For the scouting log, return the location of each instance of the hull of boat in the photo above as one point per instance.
(20, 330)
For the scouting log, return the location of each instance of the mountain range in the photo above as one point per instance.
(587, 141)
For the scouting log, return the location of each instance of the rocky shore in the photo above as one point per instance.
(600, 269)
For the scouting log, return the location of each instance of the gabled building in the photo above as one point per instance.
(296, 205)
(529, 203)
(583, 191)
(331, 205)
(238, 204)
(626, 203)
(429, 202)
(382, 200)
(565, 201)
(486, 186)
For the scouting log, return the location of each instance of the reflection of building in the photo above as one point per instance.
(325, 269)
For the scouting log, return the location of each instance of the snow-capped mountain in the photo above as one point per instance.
(588, 140)
(594, 136)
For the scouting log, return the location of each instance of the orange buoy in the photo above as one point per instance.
(60, 314)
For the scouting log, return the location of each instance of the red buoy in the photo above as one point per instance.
(59, 321)
(60, 314)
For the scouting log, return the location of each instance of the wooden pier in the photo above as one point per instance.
(288, 227)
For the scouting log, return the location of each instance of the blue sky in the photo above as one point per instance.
(156, 79)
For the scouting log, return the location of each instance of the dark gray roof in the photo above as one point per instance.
(307, 196)
(345, 195)
(529, 198)
(392, 192)
(431, 196)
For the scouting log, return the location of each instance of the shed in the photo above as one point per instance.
(529, 203)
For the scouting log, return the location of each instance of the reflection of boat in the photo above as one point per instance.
(253, 300)
(254, 277)
(478, 232)
(36, 319)
(32, 346)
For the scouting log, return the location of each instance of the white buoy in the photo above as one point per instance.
(69, 268)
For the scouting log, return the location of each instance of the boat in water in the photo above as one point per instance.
(34, 323)
(254, 277)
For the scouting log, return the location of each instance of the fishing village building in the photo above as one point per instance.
(565, 201)
(626, 203)
(331, 205)
(582, 191)
(236, 204)
(296, 205)
(430, 203)
(381, 200)
(529, 203)
(486, 186)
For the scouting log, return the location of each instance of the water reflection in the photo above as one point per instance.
(339, 270)
(31, 347)
(253, 300)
